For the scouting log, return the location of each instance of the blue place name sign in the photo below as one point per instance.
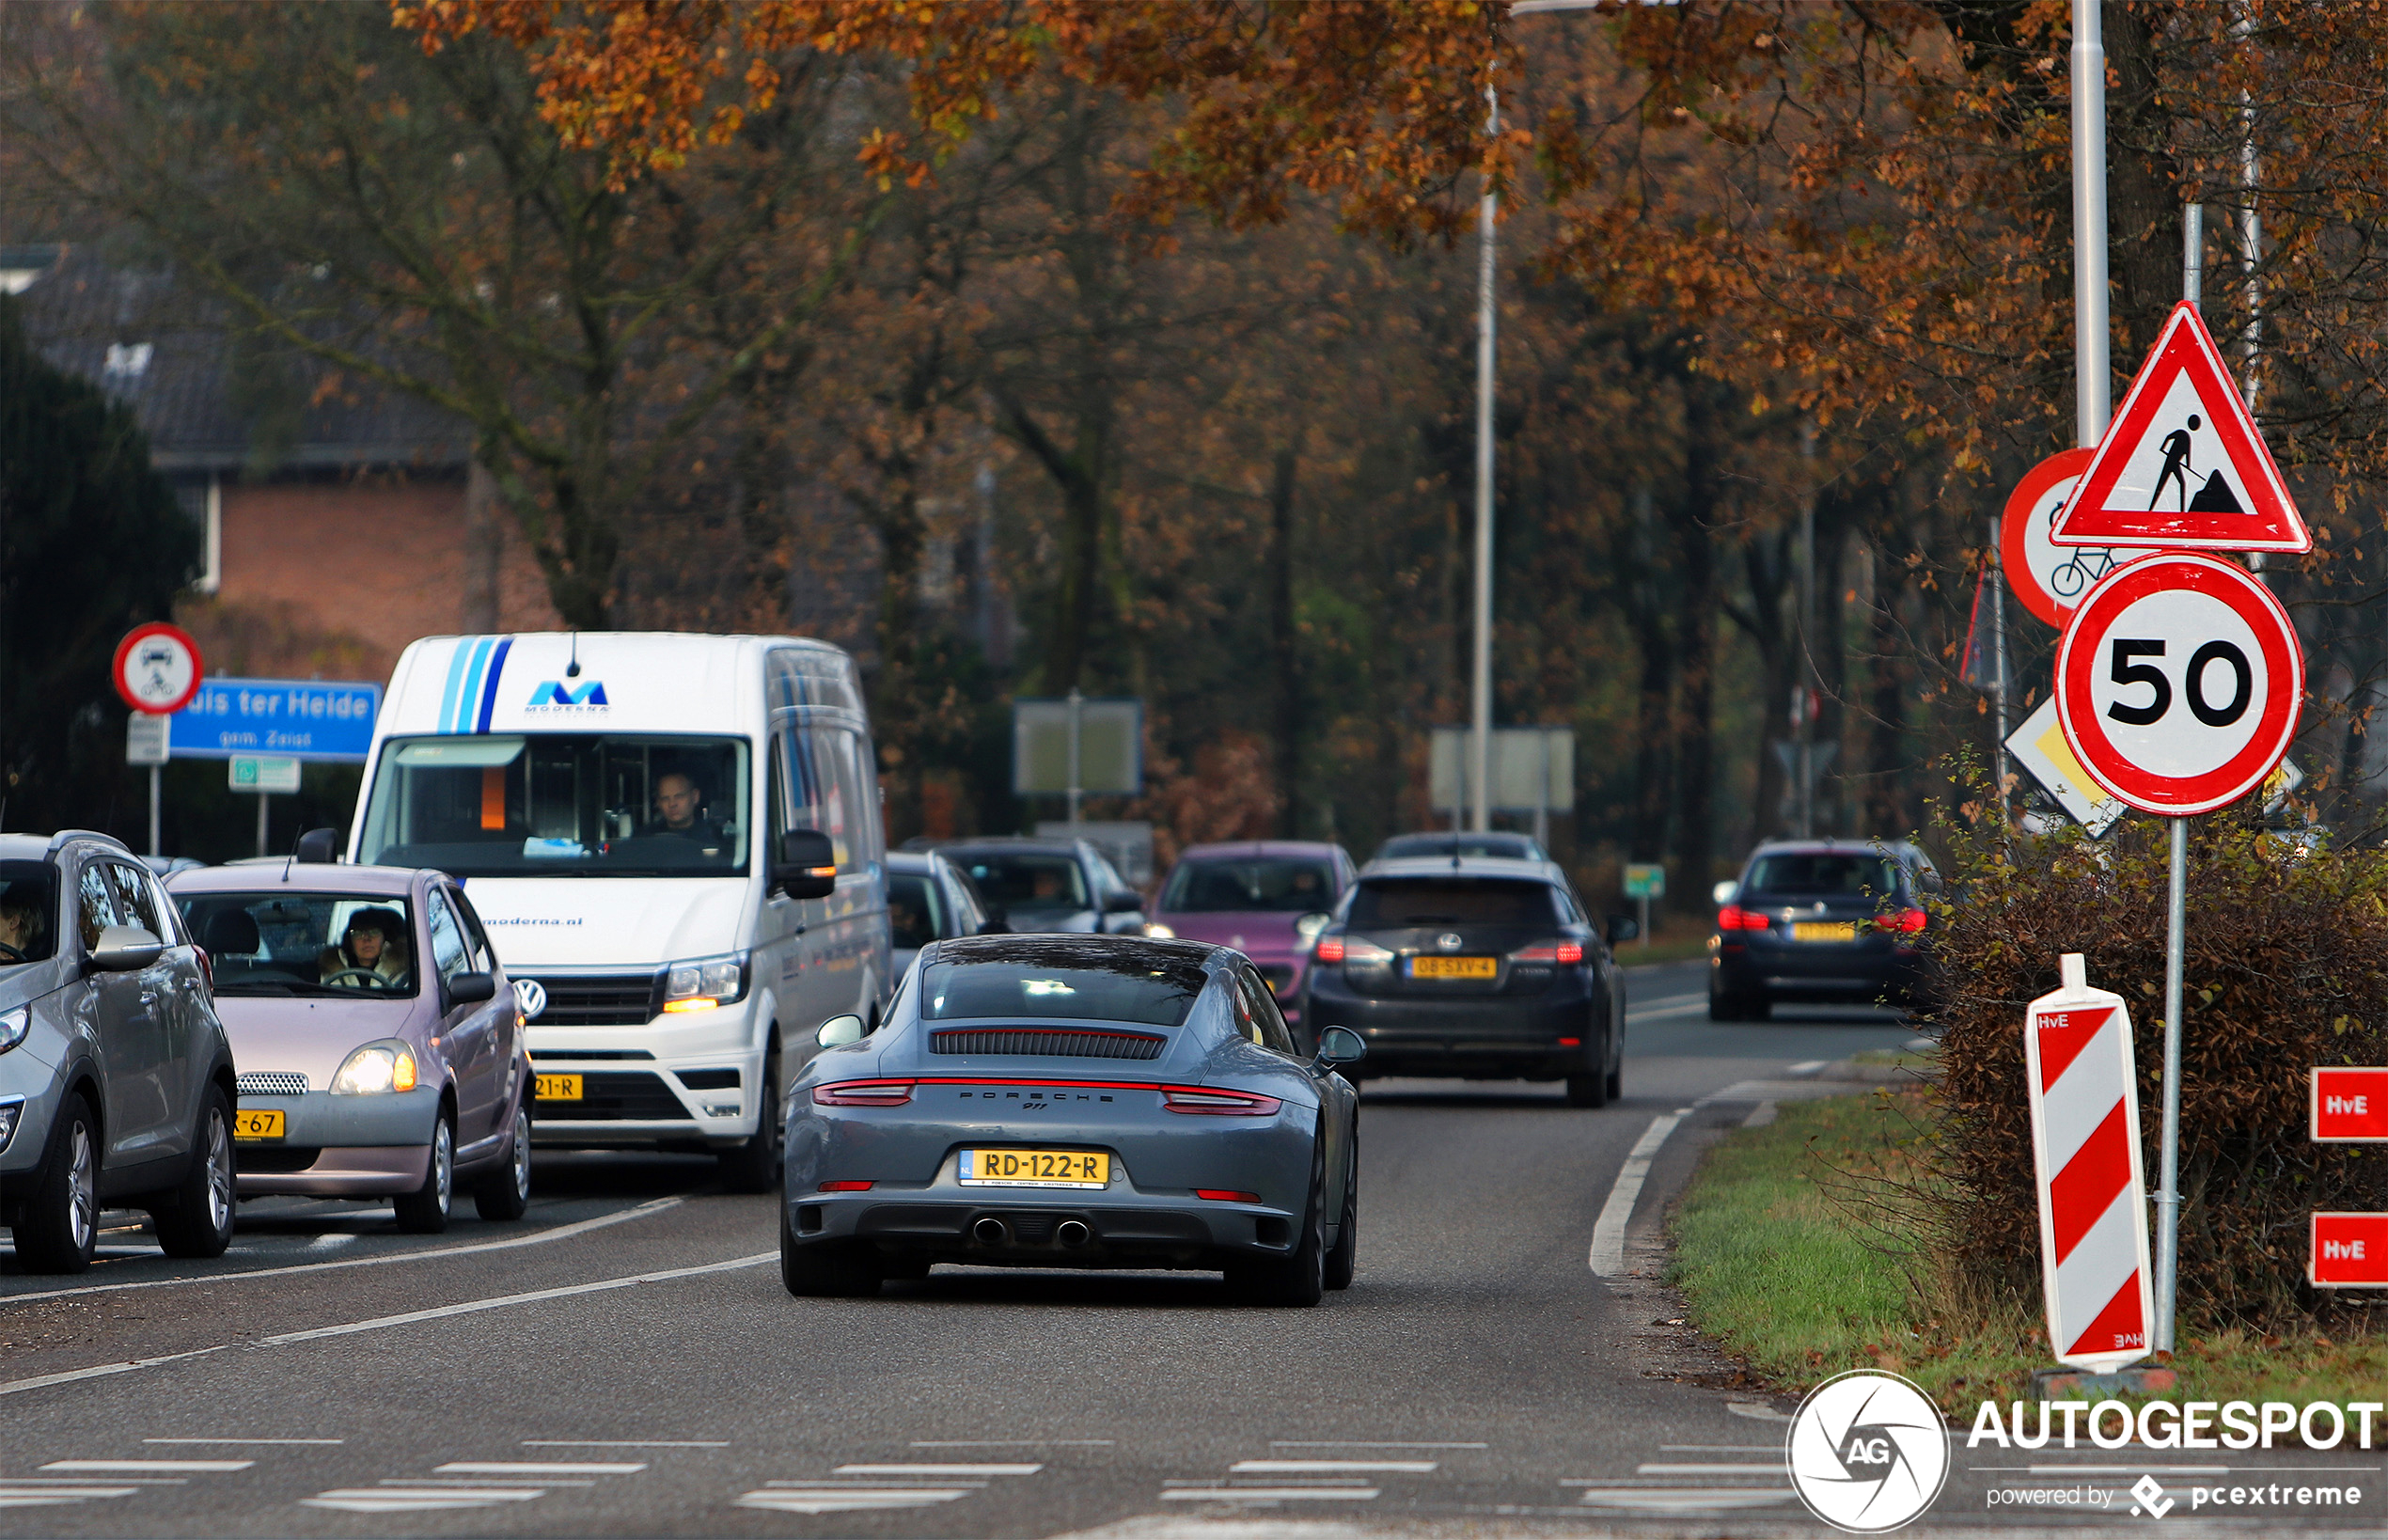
(323, 721)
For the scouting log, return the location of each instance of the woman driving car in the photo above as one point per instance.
(371, 953)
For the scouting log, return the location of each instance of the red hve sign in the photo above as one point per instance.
(2085, 1101)
(2350, 1106)
(2349, 1251)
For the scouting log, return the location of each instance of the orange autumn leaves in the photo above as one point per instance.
(1380, 107)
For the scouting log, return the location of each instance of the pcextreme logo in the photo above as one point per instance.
(551, 692)
(1868, 1452)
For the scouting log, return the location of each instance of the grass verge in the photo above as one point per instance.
(1796, 1247)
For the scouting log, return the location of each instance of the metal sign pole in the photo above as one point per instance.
(260, 824)
(154, 849)
(2091, 386)
(1479, 672)
(2168, 1197)
(1077, 704)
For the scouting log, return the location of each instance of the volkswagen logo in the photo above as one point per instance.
(531, 996)
(1450, 941)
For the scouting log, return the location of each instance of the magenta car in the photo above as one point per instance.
(379, 1043)
(1265, 898)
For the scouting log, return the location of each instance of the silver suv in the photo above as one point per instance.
(115, 1080)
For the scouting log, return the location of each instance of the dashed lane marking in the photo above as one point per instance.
(1011, 1443)
(1756, 1411)
(1364, 1443)
(1684, 1499)
(833, 1498)
(1721, 1449)
(417, 1499)
(1707, 1468)
(561, 1231)
(1807, 1066)
(625, 1443)
(1269, 1494)
(23, 1495)
(1329, 1467)
(1608, 1231)
(244, 1441)
(147, 1468)
(926, 1471)
(539, 1467)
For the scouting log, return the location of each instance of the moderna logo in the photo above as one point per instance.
(552, 693)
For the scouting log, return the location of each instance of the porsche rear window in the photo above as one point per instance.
(1148, 991)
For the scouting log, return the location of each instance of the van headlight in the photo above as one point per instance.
(14, 1025)
(376, 1068)
(704, 983)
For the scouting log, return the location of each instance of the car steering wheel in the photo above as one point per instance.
(14, 955)
(372, 980)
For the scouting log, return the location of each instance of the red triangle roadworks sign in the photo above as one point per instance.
(2182, 465)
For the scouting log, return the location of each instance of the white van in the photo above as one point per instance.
(619, 806)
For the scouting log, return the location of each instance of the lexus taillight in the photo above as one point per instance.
(1330, 949)
(1733, 918)
(1564, 953)
(1907, 922)
(1218, 1104)
(863, 1093)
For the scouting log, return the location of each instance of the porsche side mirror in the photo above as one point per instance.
(839, 1031)
(1341, 1045)
(806, 865)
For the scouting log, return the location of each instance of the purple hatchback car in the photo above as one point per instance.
(380, 1045)
(1257, 896)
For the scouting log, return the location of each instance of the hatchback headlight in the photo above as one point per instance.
(704, 983)
(14, 1025)
(375, 1068)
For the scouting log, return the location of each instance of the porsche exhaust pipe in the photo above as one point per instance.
(990, 1232)
(1073, 1233)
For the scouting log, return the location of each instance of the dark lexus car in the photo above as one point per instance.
(1074, 1101)
(1473, 967)
(1822, 921)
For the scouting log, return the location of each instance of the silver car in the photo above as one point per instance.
(380, 1045)
(116, 1079)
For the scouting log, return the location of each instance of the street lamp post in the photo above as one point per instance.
(1480, 681)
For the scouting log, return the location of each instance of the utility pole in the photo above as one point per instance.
(1804, 720)
(1480, 680)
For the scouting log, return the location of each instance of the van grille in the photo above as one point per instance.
(623, 1000)
(615, 1096)
(1047, 1043)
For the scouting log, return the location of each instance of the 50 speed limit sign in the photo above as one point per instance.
(2178, 682)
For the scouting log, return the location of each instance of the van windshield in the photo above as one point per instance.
(562, 805)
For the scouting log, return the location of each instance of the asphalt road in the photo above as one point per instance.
(626, 1362)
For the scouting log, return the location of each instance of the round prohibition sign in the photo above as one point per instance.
(157, 669)
(2178, 682)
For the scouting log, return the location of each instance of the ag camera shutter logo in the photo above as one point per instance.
(1868, 1452)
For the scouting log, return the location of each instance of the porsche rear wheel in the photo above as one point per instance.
(1299, 1280)
(1342, 1258)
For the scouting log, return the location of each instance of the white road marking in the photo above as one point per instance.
(1267, 1494)
(538, 1467)
(1362, 1443)
(1696, 1006)
(1721, 1449)
(1709, 1468)
(12, 1495)
(1678, 1498)
(625, 1443)
(1608, 1231)
(543, 1483)
(937, 1469)
(1008, 1443)
(1759, 1116)
(244, 1441)
(1757, 1410)
(411, 1500)
(378, 1323)
(1327, 1468)
(331, 1242)
(499, 1301)
(845, 1499)
(561, 1231)
(149, 1467)
(1805, 1067)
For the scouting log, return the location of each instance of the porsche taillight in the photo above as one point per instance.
(863, 1093)
(1218, 1104)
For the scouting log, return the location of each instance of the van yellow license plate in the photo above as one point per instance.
(1824, 930)
(556, 1087)
(1454, 967)
(248, 1127)
(1034, 1169)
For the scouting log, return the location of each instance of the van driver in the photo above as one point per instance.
(677, 801)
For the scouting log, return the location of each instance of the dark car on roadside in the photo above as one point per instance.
(116, 1083)
(1478, 967)
(1048, 884)
(1823, 921)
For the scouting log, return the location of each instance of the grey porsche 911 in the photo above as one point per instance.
(1074, 1101)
